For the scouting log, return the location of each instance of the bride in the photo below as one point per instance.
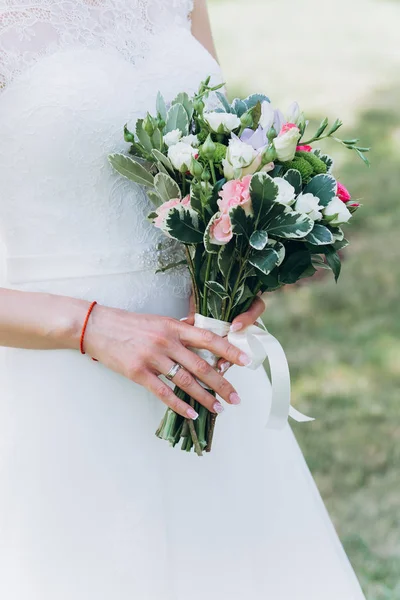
(92, 505)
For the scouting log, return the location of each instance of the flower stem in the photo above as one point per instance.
(207, 277)
(183, 184)
(214, 178)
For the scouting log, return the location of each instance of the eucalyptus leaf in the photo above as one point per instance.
(186, 102)
(131, 169)
(239, 107)
(164, 160)
(143, 136)
(252, 100)
(258, 239)
(166, 187)
(224, 102)
(177, 119)
(161, 107)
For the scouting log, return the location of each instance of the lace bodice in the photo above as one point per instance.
(73, 73)
(32, 28)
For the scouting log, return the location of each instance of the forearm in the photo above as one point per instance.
(201, 28)
(40, 321)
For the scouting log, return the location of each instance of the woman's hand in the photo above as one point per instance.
(240, 322)
(141, 347)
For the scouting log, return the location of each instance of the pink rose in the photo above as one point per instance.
(343, 193)
(221, 230)
(286, 142)
(304, 149)
(236, 193)
(287, 127)
(162, 212)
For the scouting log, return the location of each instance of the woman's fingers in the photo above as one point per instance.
(208, 375)
(166, 395)
(192, 309)
(186, 382)
(223, 365)
(249, 317)
(201, 338)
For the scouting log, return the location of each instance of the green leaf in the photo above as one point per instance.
(157, 140)
(363, 158)
(337, 124)
(224, 102)
(238, 296)
(333, 260)
(166, 187)
(177, 119)
(217, 288)
(258, 240)
(339, 245)
(143, 136)
(211, 248)
(319, 236)
(195, 200)
(252, 100)
(155, 198)
(239, 107)
(225, 257)
(323, 187)
(322, 127)
(265, 260)
(337, 233)
(160, 106)
(294, 178)
(279, 248)
(241, 223)
(263, 193)
(256, 114)
(294, 266)
(183, 225)
(214, 303)
(162, 159)
(293, 225)
(131, 169)
(318, 262)
(186, 102)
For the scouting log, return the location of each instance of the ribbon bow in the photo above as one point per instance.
(259, 345)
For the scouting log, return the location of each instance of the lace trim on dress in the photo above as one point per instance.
(30, 29)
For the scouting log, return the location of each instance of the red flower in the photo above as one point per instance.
(304, 149)
(343, 193)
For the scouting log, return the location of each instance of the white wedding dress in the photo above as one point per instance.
(92, 505)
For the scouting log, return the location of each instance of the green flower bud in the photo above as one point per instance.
(208, 148)
(149, 125)
(128, 136)
(268, 155)
(206, 175)
(271, 135)
(196, 169)
(247, 119)
(199, 106)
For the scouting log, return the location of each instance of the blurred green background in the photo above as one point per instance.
(342, 60)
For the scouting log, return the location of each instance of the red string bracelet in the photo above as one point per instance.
(93, 304)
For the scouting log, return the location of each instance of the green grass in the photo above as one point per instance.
(343, 345)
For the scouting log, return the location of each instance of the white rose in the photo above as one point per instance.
(191, 139)
(309, 204)
(222, 122)
(180, 155)
(286, 143)
(287, 193)
(172, 137)
(238, 155)
(336, 212)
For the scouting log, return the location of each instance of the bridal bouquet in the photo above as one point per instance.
(255, 206)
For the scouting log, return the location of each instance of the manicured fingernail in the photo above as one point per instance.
(234, 398)
(184, 319)
(217, 406)
(224, 367)
(244, 359)
(235, 327)
(192, 414)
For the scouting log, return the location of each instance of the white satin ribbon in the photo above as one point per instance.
(259, 345)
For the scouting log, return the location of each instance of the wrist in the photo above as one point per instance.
(71, 313)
